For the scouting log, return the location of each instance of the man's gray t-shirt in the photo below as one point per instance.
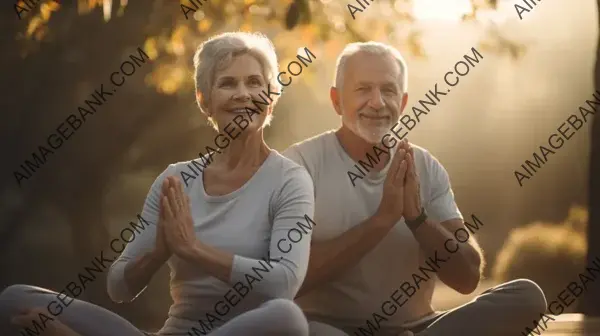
(254, 222)
(354, 296)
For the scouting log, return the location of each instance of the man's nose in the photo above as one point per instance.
(376, 101)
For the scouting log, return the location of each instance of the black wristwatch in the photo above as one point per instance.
(414, 224)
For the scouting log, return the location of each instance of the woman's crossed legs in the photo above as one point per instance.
(275, 317)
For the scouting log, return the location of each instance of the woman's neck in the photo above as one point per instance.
(242, 153)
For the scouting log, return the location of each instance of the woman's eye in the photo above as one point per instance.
(255, 82)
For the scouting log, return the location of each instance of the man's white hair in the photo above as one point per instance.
(373, 48)
(218, 52)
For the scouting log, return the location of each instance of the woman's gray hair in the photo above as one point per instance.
(217, 53)
(373, 48)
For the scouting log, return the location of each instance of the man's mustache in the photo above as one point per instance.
(376, 114)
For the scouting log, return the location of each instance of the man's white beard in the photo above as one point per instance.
(371, 134)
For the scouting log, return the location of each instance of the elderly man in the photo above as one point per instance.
(385, 233)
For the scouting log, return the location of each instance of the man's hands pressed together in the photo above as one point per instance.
(401, 198)
(462, 272)
(392, 200)
(412, 190)
(329, 259)
(401, 189)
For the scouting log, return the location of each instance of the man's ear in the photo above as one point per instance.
(404, 102)
(269, 109)
(334, 94)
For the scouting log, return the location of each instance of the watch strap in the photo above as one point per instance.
(414, 224)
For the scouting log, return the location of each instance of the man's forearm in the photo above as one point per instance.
(460, 270)
(332, 257)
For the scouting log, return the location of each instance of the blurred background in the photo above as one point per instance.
(535, 72)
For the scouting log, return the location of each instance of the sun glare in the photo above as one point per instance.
(444, 10)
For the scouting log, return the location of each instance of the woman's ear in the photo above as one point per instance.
(202, 103)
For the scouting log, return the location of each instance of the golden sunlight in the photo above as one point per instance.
(441, 10)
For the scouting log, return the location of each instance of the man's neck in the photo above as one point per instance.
(357, 148)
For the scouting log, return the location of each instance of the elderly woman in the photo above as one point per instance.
(223, 234)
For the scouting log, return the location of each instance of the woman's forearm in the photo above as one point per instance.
(139, 271)
(213, 261)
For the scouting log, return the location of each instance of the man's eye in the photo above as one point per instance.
(255, 82)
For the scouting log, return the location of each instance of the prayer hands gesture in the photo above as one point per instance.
(161, 249)
(176, 221)
(392, 199)
(412, 187)
(401, 190)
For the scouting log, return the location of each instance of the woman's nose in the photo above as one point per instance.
(241, 92)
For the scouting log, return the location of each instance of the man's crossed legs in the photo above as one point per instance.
(504, 310)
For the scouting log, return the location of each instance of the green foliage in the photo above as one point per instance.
(171, 38)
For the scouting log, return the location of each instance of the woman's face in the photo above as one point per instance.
(233, 90)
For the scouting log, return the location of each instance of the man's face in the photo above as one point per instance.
(371, 98)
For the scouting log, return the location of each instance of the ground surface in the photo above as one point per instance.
(573, 324)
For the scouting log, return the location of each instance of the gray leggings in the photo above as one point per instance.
(503, 310)
(275, 317)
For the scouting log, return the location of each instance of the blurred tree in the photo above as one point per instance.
(67, 49)
(591, 302)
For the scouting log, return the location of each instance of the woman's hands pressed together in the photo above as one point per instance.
(174, 235)
(161, 251)
(176, 221)
(176, 225)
